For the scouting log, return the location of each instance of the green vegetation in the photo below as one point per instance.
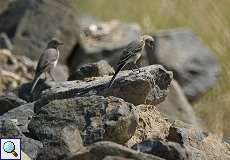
(210, 19)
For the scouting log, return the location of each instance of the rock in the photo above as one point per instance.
(12, 15)
(96, 117)
(102, 40)
(116, 158)
(100, 150)
(166, 150)
(149, 86)
(193, 63)
(176, 106)
(5, 43)
(8, 129)
(68, 143)
(9, 102)
(185, 134)
(98, 69)
(21, 116)
(39, 21)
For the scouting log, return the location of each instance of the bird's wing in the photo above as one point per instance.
(131, 50)
(48, 57)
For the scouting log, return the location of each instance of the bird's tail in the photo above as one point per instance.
(35, 81)
(115, 74)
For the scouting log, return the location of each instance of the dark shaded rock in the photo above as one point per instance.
(12, 15)
(193, 63)
(68, 143)
(97, 69)
(96, 117)
(9, 102)
(167, 150)
(185, 134)
(8, 129)
(100, 150)
(102, 40)
(21, 116)
(5, 43)
(42, 21)
(149, 86)
(176, 106)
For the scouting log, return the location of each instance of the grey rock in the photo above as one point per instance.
(116, 158)
(9, 102)
(193, 63)
(68, 143)
(42, 21)
(102, 40)
(185, 134)
(21, 116)
(96, 117)
(98, 69)
(100, 150)
(176, 106)
(150, 86)
(5, 42)
(166, 150)
(9, 129)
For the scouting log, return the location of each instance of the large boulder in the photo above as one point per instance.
(32, 23)
(176, 106)
(193, 63)
(102, 40)
(96, 117)
(149, 86)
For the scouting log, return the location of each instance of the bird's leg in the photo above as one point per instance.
(137, 67)
(45, 75)
(51, 75)
(131, 67)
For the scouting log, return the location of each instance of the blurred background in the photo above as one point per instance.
(207, 22)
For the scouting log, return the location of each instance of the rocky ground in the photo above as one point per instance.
(145, 115)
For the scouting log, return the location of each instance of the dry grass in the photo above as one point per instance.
(210, 19)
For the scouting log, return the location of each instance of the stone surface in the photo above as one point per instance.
(116, 158)
(9, 102)
(21, 116)
(193, 63)
(102, 40)
(9, 129)
(166, 150)
(96, 117)
(100, 150)
(97, 69)
(176, 106)
(5, 42)
(150, 86)
(42, 21)
(66, 144)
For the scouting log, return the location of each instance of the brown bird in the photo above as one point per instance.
(132, 53)
(47, 61)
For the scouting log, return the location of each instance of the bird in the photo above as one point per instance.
(47, 61)
(132, 53)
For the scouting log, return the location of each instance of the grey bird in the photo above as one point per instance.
(132, 53)
(47, 61)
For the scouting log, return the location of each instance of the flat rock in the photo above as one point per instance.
(9, 102)
(149, 86)
(100, 150)
(97, 69)
(176, 106)
(96, 117)
(193, 63)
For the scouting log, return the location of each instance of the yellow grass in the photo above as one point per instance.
(210, 19)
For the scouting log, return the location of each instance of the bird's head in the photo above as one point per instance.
(54, 43)
(148, 40)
